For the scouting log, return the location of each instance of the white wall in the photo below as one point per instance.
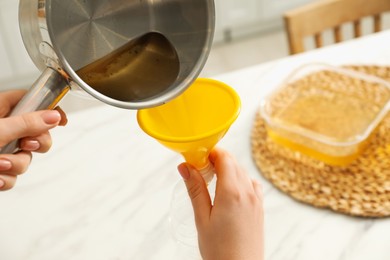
(236, 19)
(16, 67)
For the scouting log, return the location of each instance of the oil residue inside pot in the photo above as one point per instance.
(141, 69)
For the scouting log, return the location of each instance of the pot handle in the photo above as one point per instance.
(45, 93)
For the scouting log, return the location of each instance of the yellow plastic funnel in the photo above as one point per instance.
(193, 123)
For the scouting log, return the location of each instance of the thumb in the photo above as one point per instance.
(30, 124)
(197, 191)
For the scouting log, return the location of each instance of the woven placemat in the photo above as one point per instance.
(360, 189)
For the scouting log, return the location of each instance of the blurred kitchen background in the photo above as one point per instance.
(247, 32)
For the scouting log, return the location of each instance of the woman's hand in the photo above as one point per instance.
(32, 130)
(231, 228)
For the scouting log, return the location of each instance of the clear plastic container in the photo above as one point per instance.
(326, 112)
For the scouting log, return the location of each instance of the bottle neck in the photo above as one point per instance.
(207, 172)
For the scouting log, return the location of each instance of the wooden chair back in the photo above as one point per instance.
(314, 18)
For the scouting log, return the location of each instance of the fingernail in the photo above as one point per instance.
(31, 145)
(184, 171)
(51, 117)
(5, 164)
(2, 183)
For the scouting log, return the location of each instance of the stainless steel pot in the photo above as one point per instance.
(127, 53)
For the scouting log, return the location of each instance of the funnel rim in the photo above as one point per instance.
(183, 139)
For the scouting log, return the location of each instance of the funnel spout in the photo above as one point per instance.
(207, 173)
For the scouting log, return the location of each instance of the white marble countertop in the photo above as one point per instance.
(103, 191)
